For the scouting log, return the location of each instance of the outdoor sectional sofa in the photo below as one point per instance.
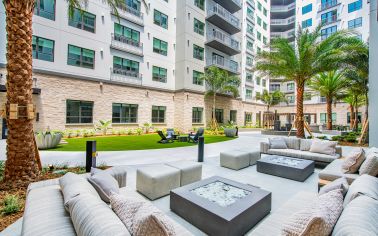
(299, 148)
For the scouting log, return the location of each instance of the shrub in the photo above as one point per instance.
(351, 139)
(322, 137)
(2, 167)
(129, 131)
(11, 205)
(139, 131)
(338, 138)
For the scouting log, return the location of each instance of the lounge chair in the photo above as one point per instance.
(171, 133)
(164, 139)
(194, 137)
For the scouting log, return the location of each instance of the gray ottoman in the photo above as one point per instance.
(254, 156)
(190, 171)
(157, 181)
(234, 159)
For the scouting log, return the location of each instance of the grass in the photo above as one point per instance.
(130, 142)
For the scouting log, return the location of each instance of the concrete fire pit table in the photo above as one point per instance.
(220, 206)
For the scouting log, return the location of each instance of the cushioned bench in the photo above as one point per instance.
(234, 159)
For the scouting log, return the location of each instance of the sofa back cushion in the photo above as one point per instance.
(323, 147)
(104, 184)
(305, 144)
(293, 143)
(91, 216)
(72, 185)
(340, 183)
(353, 161)
(370, 165)
(359, 217)
(277, 143)
(364, 185)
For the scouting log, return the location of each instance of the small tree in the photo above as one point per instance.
(103, 126)
(272, 99)
(217, 82)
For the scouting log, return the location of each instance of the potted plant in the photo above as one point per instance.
(48, 139)
(230, 129)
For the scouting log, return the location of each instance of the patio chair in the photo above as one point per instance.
(194, 137)
(164, 139)
(171, 133)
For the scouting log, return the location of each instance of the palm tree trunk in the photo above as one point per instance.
(329, 113)
(356, 121)
(351, 116)
(299, 118)
(21, 166)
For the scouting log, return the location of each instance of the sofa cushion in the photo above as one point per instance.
(364, 185)
(91, 216)
(319, 219)
(303, 155)
(370, 165)
(285, 152)
(353, 161)
(104, 184)
(323, 147)
(359, 217)
(277, 143)
(292, 143)
(72, 185)
(305, 144)
(333, 172)
(340, 183)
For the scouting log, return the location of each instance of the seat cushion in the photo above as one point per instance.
(353, 161)
(285, 152)
(364, 185)
(333, 171)
(303, 155)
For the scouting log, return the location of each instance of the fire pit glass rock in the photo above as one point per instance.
(286, 161)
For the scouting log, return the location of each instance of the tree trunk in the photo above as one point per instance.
(356, 121)
(214, 123)
(21, 166)
(299, 118)
(329, 113)
(351, 117)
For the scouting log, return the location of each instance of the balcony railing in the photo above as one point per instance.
(251, 18)
(223, 63)
(125, 76)
(130, 14)
(217, 9)
(283, 8)
(123, 43)
(329, 4)
(330, 20)
(286, 34)
(252, 3)
(224, 38)
(286, 21)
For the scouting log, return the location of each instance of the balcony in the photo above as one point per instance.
(286, 34)
(282, 8)
(223, 42)
(122, 43)
(328, 5)
(125, 76)
(130, 14)
(221, 62)
(252, 3)
(287, 21)
(223, 19)
(230, 5)
(330, 20)
(251, 18)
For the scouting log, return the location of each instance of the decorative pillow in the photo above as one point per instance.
(141, 218)
(372, 150)
(323, 147)
(364, 185)
(370, 165)
(293, 143)
(305, 144)
(104, 184)
(318, 219)
(277, 143)
(353, 161)
(340, 183)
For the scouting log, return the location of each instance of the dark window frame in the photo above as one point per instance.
(37, 10)
(128, 117)
(159, 50)
(158, 78)
(197, 115)
(83, 25)
(36, 52)
(81, 57)
(158, 119)
(159, 21)
(80, 116)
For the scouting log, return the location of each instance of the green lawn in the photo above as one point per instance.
(133, 142)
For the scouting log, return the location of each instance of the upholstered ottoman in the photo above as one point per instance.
(157, 181)
(254, 156)
(234, 159)
(190, 171)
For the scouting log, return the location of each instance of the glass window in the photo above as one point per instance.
(355, 23)
(159, 74)
(248, 118)
(43, 49)
(275, 87)
(265, 26)
(359, 117)
(329, 17)
(258, 80)
(125, 67)
(258, 95)
(233, 115)
(354, 6)
(307, 23)
(290, 86)
(250, 45)
(259, 21)
(249, 12)
(200, 4)
(249, 77)
(83, 20)
(291, 99)
(265, 40)
(45, 9)
(79, 112)
(219, 115)
(307, 96)
(160, 19)
(265, 12)
(123, 33)
(80, 57)
(307, 9)
(124, 113)
(199, 27)
(134, 4)
(249, 61)
(264, 82)
(259, 6)
(258, 35)
(248, 93)
(323, 117)
(158, 114)
(249, 29)
(160, 46)
(197, 77)
(325, 33)
(198, 52)
(197, 113)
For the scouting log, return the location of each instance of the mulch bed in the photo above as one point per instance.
(342, 143)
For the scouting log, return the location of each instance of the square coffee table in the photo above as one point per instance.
(286, 167)
(220, 206)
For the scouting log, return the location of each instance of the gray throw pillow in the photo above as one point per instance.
(340, 183)
(277, 143)
(104, 184)
(370, 165)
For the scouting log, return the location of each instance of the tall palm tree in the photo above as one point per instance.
(272, 99)
(301, 61)
(23, 165)
(218, 82)
(355, 100)
(332, 86)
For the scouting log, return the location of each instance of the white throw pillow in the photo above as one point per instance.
(277, 143)
(323, 147)
(353, 161)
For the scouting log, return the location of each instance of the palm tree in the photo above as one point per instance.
(272, 99)
(355, 100)
(332, 86)
(301, 61)
(218, 82)
(23, 165)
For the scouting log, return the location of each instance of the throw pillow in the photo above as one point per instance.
(370, 165)
(141, 218)
(305, 144)
(104, 184)
(323, 147)
(318, 219)
(364, 185)
(340, 183)
(277, 143)
(353, 161)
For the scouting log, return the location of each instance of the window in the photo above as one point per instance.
(197, 115)
(259, 6)
(258, 80)
(248, 93)
(265, 40)
(160, 46)
(249, 77)
(354, 6)
(124, 113)
(80, 57)
(43, 49)
(198, 52)
(259, 21)
(123, 33)
(323, 117)
(355, 23)
(83, 20)
(45, 9)
(249, 45)
(265, 26)
(249, 61)
(219, 115)
(307, 23)
(125, 67)
(329, 17)
(249, 29)
(258, 95)
(328, 32)
(233, 115)
(158, 114)
(249, 12)
(258, 35)
(248, 118)
(79, 112)
(197, 77)
(290, 86)
(160, 19)
(307, 9)
(307, 96)
(199, 27)
(275, 87)
(133, 4)
(359, 117)
(200, 4)
(264, 82)
(265, 12)
(159, 74)
(258, 49)
(291, 99)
